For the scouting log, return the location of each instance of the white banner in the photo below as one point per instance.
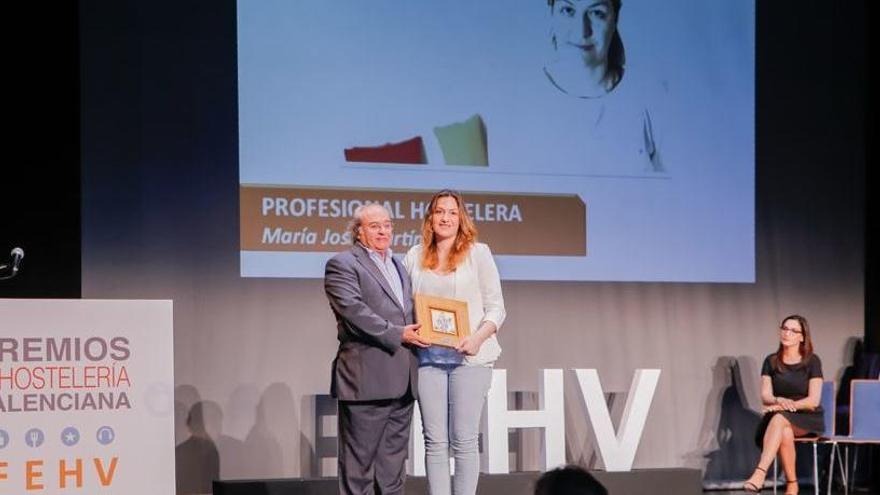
(86, 397)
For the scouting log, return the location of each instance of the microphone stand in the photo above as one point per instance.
(6, 276)
(12, 268)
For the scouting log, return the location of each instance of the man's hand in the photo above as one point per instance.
(411, 336)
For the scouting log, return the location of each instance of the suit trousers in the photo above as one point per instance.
(373, 445)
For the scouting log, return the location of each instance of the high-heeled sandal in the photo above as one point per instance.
(752, 487)
(793, 482)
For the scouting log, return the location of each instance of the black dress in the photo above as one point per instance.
(792, 382)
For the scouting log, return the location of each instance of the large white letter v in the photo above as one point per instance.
(618, 450)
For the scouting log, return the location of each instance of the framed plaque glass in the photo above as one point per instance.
(444, 321)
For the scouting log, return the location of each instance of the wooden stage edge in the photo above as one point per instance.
(677, 481)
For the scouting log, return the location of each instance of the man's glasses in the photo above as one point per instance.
(376, 226)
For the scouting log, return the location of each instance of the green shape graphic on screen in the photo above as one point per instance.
(464, 143)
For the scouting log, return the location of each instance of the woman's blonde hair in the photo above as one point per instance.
(464, 239)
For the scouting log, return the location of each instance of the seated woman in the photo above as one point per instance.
(791, 389)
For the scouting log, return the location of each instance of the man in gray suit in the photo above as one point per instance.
(375, 370)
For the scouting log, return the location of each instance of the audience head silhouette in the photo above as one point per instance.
(569, 480)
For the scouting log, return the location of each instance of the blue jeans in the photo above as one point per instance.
(451, 399)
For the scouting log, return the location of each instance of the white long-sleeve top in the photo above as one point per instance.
(476, 281)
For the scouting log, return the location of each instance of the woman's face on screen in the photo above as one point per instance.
(583, 29)
(445, 218)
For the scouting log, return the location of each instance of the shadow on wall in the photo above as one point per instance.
(207, 453)
(853, 353)
(275, 425)
(197, 459)
(727, 438)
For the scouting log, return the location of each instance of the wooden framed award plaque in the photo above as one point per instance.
(444, 321)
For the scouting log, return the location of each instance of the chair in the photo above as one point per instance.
(865, 365)
(864, 427)
(827, 402)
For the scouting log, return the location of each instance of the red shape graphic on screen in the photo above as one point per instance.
(409, 151)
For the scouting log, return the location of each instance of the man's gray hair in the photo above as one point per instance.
(357, 219)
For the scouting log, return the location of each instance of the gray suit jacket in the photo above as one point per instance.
(371, 363)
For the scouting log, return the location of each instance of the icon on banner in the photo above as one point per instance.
(34, 437)
(105, 435)
(4, 438)
(70, 436)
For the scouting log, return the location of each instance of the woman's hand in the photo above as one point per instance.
(786, 404)
(782, 404)
(470, 345)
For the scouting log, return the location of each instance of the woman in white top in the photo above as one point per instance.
(453, 383)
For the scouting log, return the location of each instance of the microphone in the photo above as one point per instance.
(17, 254)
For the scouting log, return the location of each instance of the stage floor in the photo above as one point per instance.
(676, 481)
